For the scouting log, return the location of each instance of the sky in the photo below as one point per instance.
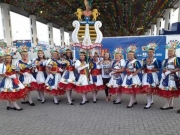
(21, 28)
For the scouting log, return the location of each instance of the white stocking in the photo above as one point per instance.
(167, 103)
(149, 100)
(94, 95)
(134, 97)
(39, 95)
(42, 96)
(16, 105)
(84, 98)
(55, 99)
(68, 93)
(152, 98)
(29, 98)
(171, 102)
(118, 99)
(131, 102)
(9, 104)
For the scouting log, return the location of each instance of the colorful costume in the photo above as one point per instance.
(11, 88)
(132, 84)
(150, 78)
(68, 78)
(116, 80)
(40, 74)
(95, 76)
(169, 83)
(26, 77)
(83, 84)
(53, 78)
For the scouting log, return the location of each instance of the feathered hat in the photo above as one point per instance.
(22, 49)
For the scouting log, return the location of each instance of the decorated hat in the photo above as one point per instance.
(82, 52)
(8, 52)
(55, 49)
(150, 46)
(131, 48)
(118, 50)
(23, 48)
(1, 52)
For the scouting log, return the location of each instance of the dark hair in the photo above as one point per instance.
(84, 55)
(67, 57)
(39, 57)
(133, 53)
(151, 49)
(109, 56)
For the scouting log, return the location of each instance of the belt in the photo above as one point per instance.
(41, 68)
(25, 70)
(95, 72)
(70, 68)
(10, 73)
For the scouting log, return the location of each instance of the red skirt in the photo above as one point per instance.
(168, 93)
(99, 88)
(146, 89)
(114, 91)
(133, 90)
(33, 86)
(85, 88)
(54, 92)
(66, 87)
(13, 96)
(41, 87)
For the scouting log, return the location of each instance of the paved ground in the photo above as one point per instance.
(102, 118)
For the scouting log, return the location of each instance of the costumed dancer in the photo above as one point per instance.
(117, 76)
(83, 84)
(68, 79)
(106, 69)
(95, 76)
(11, 89)
(25, 74)
(150, 80)
(132, 80)
(54, 76)
(40, 70)
(169, 83)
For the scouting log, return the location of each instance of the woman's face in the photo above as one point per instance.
(69, 54)
(95, 57)
(1, 59)
(82, 57)
(8, 59)
(106, 56)
(150, 53)
(55, 55)
(24, 55)
(117, 57)
(40, 54)
(171, 52)
(130, 56)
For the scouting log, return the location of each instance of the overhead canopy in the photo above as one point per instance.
(119, 17)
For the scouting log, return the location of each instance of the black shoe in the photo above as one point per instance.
(82, 103)
(20, 109)
(24, 102)
(8, 108)
(94, 101)
(151, 104)
(87, 101)
(135, 103)
(72, 100)
(147, 107)
(31, 104)
(130, 106)
(59, 100)
(117, 103)
(114, 101)
(178, 111)
(171, 107)
(39, 99)
(43, 102)
(166, 108)
(71, 104)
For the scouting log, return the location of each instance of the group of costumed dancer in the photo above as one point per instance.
(59, 76)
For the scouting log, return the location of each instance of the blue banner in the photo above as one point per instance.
(138, 44)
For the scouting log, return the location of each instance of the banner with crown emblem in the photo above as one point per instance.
(140, 45)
